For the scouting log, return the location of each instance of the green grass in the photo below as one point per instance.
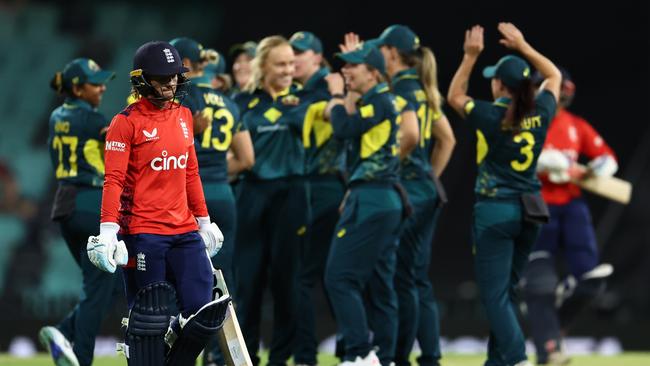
(626, 359)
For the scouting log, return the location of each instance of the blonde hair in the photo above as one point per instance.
(261, 55)
(426, 66)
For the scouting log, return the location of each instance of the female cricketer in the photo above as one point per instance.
(509, 210)
(272, 208)
(570, 232)
(76, 141)
(413, 72)
(224, 132)
(362, 255)
(154, 198)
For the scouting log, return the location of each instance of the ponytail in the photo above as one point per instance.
(523, 103)
(426, 67)
(57, 82)
(427, 70)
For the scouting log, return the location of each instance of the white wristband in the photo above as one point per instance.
(203, 220)
(109, 228)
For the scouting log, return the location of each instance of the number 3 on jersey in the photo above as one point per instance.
(225, 128)
(526, 151)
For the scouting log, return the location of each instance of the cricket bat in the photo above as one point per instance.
(231, 340)
(612, 188)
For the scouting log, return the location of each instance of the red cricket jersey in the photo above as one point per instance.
(573, 136)
(152, 182)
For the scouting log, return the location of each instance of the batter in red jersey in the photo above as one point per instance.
(569, 233)
(153, 197)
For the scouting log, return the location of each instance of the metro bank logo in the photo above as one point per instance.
(115, 146)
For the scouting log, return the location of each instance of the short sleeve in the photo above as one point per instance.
(546, 104)
(96, 124)
(478, 113)
(191, 100)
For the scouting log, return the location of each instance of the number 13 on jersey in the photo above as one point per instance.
(226, 128)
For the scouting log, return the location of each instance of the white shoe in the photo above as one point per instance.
(371, 359)
(524, 363)
(57, 346)
(558, 358)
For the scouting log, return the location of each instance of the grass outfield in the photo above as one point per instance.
(626, 359)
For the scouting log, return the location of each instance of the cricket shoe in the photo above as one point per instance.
(370, 360)
(524, 363)
(57, 346)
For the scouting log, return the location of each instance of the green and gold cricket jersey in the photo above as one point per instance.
(372, 148)
(275, 125)
(76, 141)
(323, 151)
(213, 143)
(507, 158)
(410, 95)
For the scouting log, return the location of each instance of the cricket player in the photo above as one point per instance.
(76, 142)
(153, 198)
(223, 132)
(509, 210)
(363, 252)
(412, 70)
(570, 232)
(272, 206)
(324, 165)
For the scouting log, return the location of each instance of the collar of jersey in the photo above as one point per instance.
(284, 92)
(72, 103)
(404, 74)
(314, 79)
(502, 102)
(377, 89)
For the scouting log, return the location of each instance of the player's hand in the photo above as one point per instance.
(474, 45)
(104, 250)
(335, 83)
(351, 42)
(211, 235)
(512, 36)
(602, 166)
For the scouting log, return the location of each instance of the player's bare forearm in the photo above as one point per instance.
(514, 39)
(457, 95)
(445, 143)
(241, 156)
(409, 134)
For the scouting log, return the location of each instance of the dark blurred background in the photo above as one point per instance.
(604, 46)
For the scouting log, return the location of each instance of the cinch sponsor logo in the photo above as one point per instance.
(115, 146)
(169, 163)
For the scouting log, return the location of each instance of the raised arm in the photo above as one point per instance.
(457, 95)
(514, 39)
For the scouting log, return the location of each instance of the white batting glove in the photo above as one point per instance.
(603, 166)
(105, 251)
(211, 235)
(556, 164)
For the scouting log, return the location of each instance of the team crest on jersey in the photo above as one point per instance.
(290, 100)
(186, 131)
(153, 135)
(140, 263)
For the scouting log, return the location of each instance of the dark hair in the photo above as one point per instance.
(523, 103)
(59, 86)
